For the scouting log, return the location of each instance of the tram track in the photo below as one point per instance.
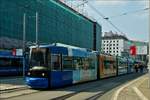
(67, 96)
(10, 93)
(100, 87)
(93, 97)
(93, 90)
(13, 90)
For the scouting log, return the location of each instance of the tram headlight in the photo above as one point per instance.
(43, 74)
(29, 73)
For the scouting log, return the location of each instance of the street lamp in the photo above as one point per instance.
(24, 41)
(37, 28)
(24, 37)
(149, 47)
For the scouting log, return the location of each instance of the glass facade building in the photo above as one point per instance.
(57, 23)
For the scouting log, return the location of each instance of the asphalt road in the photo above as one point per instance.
(87, 91)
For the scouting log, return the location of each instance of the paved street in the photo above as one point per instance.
(106, 89)
(8, 83)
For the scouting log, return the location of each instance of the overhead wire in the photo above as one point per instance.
(108, 18)
(127, 13)
(99, 13)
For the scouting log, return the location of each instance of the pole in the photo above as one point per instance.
(149, 47)
(24, 40)
(36, 28)
(24, 31)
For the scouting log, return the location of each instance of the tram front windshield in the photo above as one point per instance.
(38, 58)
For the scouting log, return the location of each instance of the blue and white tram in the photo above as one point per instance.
(53, 66)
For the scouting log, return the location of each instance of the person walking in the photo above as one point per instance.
(136, 68)
(141, 67)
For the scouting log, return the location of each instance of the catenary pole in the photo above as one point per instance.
(24, 42)
(149, 47)
(36, 28)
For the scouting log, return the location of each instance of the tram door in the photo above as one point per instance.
(55, 68)
(49, 67)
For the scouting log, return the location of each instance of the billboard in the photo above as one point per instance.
(133, 50)
(141, 50)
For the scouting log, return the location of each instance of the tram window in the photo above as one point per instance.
(92, 63)
(4, 62)
(85, 63)
(77, 63)
(38, 57)
(56, 62)
(108, 64)
(16, 62)
(11, 62)
(67, 63)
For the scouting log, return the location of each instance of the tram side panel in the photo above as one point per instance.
(107, 66)
(122, 64)
(130, 65)
(61, 68)
(85, 68)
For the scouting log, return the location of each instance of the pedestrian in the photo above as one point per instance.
(141, 68)
(136, 68)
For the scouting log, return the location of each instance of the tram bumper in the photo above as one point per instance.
(37, 82)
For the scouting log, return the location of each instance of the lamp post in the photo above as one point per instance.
(24, 41)
(149, 47)
(36, 28)
(24, 37)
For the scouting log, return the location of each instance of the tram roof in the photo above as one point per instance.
(66, 50)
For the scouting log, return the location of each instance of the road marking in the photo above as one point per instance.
(139, 93)
(116, 94)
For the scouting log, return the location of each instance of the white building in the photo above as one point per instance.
(115, 44)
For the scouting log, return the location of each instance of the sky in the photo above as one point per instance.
(134, 25)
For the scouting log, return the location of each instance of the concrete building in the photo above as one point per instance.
(115, 44)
